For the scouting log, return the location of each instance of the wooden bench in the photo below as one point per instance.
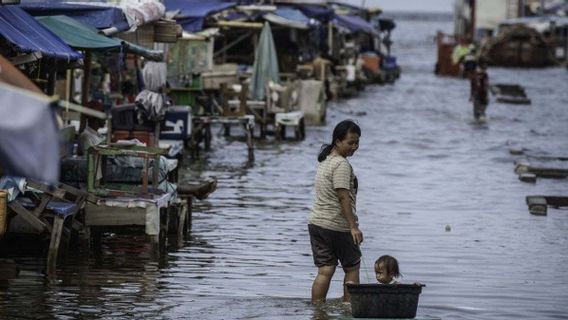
(205, 122)
(48, 209)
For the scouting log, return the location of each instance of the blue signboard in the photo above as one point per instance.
(177, 123)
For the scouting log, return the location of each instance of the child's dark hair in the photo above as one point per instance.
(391, 265)
(339, 133)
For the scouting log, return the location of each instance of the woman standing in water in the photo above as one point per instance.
(333, 224)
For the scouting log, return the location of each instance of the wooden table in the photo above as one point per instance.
(203, 123)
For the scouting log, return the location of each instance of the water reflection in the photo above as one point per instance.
(423, 164)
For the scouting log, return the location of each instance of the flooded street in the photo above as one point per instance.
(423, 164)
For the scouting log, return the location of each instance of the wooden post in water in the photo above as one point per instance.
(54, 242)
(156, 167)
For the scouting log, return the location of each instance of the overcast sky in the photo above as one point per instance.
(407, 5)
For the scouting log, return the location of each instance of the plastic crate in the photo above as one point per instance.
(384, 301)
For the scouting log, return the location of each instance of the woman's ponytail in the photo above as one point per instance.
(324, 152)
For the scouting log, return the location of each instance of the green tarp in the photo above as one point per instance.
(265, 67)
(80, 36)
(76, 34)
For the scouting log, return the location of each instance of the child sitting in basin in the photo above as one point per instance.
(386, 270)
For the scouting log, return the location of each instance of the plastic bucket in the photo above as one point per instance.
(384, 301)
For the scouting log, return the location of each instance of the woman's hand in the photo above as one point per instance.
(345, 202)
(357, 235)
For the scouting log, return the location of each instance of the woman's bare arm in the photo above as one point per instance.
(346, 210)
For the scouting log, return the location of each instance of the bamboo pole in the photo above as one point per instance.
(83, 110)
(330, 38)
(68, 82)
(85, 87)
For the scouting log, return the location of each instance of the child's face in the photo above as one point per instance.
(382, 275)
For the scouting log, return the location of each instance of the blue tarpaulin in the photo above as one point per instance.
(194, 12)
(28, 35)
(355, 24)
(320, 13)
(292, 14)
(291, 18)
(100, 17)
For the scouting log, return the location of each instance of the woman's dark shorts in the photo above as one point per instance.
(328, 246)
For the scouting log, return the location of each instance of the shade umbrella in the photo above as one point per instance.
(265, 67)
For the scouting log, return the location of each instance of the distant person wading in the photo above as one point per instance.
(333, 224)
(479, 91)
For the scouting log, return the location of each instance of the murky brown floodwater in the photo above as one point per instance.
(423, 164)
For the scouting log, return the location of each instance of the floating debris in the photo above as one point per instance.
(510, 93)
(541, 171)
(538, 205)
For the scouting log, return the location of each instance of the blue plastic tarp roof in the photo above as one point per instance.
(289, 18)
(100, 17)
(194, 12)
(320, 13)
(28, 35)
(292, 14)
(355, 24)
